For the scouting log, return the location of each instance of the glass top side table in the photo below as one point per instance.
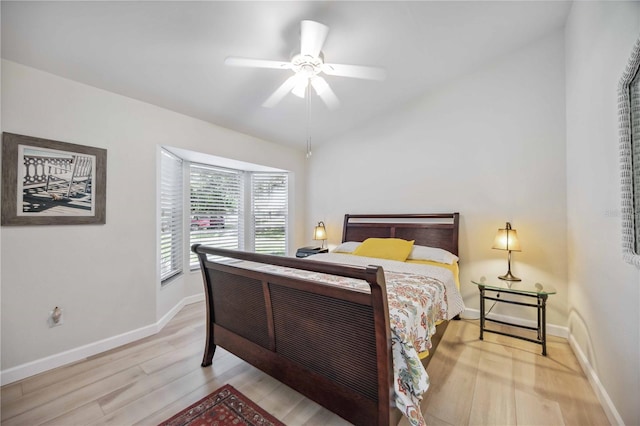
(491, 290)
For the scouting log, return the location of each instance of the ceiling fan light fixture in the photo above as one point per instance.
(307, 65)
(325, 93)
(300, 88)
(319, 85)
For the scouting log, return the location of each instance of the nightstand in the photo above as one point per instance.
(491, 290)
(308, 251)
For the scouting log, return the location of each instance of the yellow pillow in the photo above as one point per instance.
(385, 248)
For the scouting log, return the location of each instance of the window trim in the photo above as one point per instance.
(177, 255)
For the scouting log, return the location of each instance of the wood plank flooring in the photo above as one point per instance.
(498, 381)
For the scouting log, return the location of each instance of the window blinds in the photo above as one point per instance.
(171, 205)
(215, 208)
(269, 194)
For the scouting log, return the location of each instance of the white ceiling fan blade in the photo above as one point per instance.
(281, 92)
(324, 91)
(312, 37)
(355, 71)
(256, 63)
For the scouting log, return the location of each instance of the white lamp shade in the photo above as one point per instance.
(319, 232)
(507, 239)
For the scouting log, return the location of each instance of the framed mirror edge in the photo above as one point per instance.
(627, 174)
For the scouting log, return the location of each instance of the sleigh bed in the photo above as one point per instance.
(324, 328)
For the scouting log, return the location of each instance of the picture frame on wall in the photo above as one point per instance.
(47, 182)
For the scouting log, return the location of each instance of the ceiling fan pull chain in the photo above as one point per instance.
(308, 99)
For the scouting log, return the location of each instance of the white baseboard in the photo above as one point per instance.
(173, 311)
(607, 405)
(32, 368)
(552, 329)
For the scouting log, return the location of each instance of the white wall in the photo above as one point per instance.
(604, 291)
(490, 146)
(104, 277)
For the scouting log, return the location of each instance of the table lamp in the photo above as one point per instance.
(320, 233)
(507, 239)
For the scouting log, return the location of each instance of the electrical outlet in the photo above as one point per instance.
(55, 317)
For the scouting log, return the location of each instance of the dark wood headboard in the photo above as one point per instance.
(432, 230)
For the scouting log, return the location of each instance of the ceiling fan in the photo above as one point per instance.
(307, 67)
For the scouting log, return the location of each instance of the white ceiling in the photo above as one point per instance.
(171, 53)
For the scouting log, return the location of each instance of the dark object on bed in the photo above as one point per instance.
(331, 344)
(310, 251)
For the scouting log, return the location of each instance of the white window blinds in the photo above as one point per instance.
(171, 206)
(269, 207)
(216, 216)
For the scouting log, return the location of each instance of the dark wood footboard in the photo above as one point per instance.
(329, 343)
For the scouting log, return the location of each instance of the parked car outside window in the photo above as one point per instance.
(207, 222)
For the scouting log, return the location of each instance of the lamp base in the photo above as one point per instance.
(509, 277)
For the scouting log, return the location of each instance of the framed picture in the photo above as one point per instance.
(46, 182)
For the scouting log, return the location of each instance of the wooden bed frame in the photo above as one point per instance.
(329, 343)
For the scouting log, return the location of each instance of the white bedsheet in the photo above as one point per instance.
(454, 298)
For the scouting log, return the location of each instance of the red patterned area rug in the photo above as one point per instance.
(226, 406)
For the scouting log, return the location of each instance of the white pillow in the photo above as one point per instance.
(348, 247)
(432, 253)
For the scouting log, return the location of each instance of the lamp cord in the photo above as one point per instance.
(494, 304)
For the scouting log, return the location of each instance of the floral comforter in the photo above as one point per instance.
(418, 297)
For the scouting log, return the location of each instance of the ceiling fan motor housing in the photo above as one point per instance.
(307, 65)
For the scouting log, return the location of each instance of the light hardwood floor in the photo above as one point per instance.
(498, 381)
